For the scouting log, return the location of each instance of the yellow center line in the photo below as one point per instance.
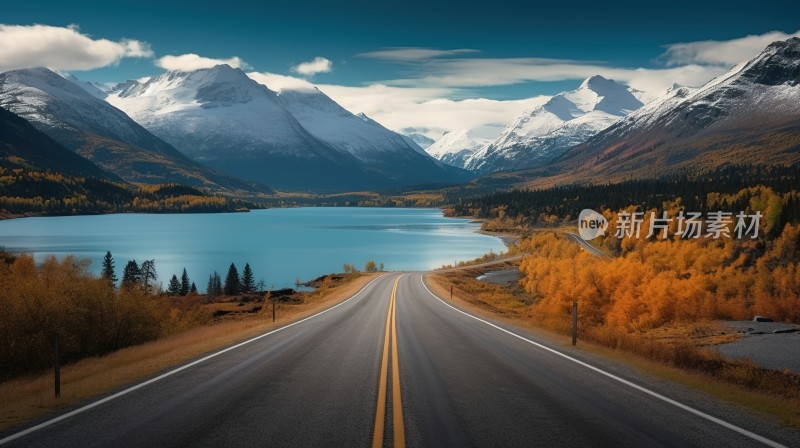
(397, 402)
(397, 405)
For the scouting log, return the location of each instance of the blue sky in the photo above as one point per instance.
(507, 52)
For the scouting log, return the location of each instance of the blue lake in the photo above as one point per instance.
(281, 245)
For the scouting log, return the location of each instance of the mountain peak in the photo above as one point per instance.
(595, 81)
(778, 64)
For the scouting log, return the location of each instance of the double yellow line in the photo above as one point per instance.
(397, 403)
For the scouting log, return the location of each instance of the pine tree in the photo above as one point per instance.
(193, 289)
(210, 286)
(108, 269)
(217, 284)
(132, 275)
(214, 287)
(174, 287)
(232, 286)
(184, 283)
(248, 281)
(148, 273)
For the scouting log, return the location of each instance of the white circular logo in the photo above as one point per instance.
(591, 224)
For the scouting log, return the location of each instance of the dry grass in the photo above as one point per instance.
(24, 399)
(671, 352)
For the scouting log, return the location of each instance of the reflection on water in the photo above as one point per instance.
(281, 245)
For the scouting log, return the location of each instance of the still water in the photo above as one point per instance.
(281, 245)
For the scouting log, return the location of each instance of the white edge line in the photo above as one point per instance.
(172, 372)
(694, 411)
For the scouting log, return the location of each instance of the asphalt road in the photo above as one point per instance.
(432, 375)
(586, 245)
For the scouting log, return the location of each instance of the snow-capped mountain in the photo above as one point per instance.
(749, 115)
(545, 132)
(298, 138)
(422, 140)
(455, 147)
(24, 145)
(72, 115)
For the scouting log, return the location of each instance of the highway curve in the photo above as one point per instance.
(395, 366)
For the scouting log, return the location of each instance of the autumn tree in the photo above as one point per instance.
(370, 266)
(108, 269)
(248, 283)
(174, 287)
(232, 285)
(131, 275)
(185, 285)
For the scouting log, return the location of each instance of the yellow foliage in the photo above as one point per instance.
(661, 281)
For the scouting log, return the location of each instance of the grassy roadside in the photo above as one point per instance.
(499, 303)
(24, 399)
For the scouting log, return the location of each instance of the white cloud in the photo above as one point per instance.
(190, 61)
(399, 108)
(488, 72)
(62, 48)
(424, 108)
(278, 82)
(413, 53)
(314, 66)
(727, 53)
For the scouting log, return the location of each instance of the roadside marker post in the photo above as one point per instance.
(574, 322)
(56, 366)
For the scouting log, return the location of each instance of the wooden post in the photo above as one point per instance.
(56, 365)
(451, 292)
(574, 323)
(273, 310)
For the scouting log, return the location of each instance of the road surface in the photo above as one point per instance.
(396, 366)
(586, 245)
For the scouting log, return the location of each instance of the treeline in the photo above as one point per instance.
(25, 192)
(234, 284)
(90, 314)
(553, 206)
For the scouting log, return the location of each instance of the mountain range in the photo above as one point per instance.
(294, 139)
(456, 147)
(747, 116)
(82, 122)
(545, 132)
(210, 128)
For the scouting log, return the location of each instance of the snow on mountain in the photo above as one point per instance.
(749, 115)
(196, 112)
(545, 132)
(71, 113)
(455, 147)
(92, 88)
(422, 140)
(329, 122)
(297, 138)
(49, 100)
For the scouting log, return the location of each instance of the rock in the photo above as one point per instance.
(762, 319)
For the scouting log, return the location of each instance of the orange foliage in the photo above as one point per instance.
(656, 282)
(89, 315)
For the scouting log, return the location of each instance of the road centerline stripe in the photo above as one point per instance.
(380, 413)
(643, 389)
(390, 334)
(397, 402)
